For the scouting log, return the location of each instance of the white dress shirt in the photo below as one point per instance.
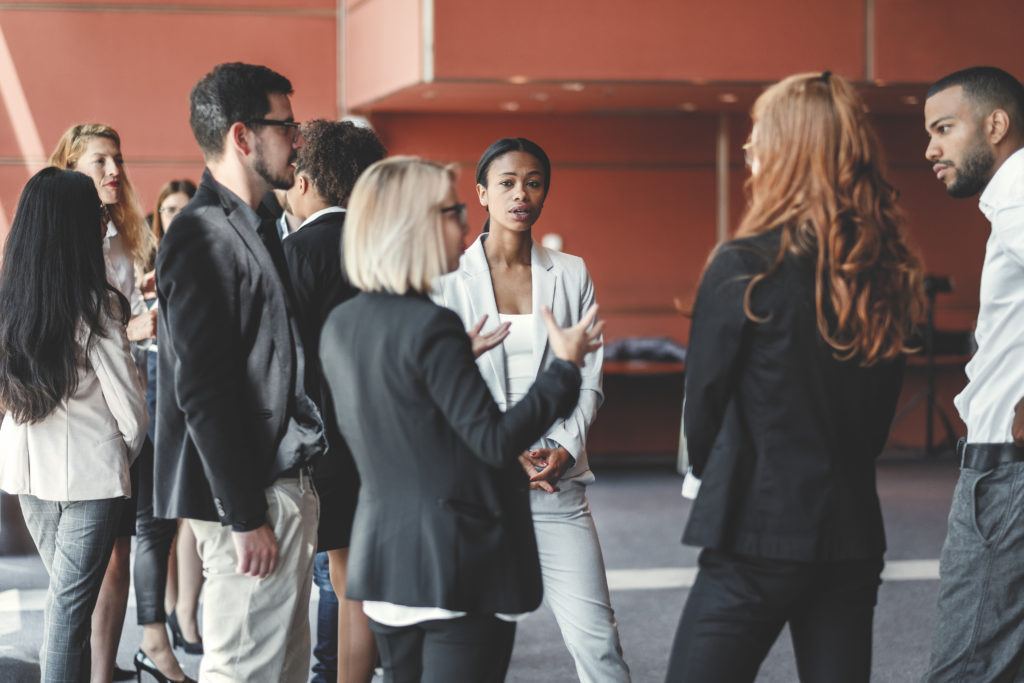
(996, 372)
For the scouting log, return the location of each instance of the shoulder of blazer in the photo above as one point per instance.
(549, 259)
(312, 238)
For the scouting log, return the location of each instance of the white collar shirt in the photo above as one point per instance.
(996, 372)
(313, 216)
(120, 270)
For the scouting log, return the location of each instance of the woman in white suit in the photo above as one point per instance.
(506, 277)
(75, 418)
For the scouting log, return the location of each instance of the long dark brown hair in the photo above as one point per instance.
(819, 179)
(53, 283)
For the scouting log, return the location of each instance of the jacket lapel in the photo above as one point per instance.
(476, 282)
(544, 285)
(237, 219)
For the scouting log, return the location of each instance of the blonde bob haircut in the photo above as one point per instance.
(393, 239)
(131, 225)
(820, 181)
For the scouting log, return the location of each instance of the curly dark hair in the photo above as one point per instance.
(335, 154)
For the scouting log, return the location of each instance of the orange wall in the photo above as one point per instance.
(647, 39)
(386, 41)
(921, 41)
(133, 69)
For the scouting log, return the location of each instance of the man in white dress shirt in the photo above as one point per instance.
(975, 119)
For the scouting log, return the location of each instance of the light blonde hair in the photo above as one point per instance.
(393, 239)
(131, 225)
(820, 180)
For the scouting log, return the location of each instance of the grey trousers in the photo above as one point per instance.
(575, 583)
(74, 539)
(979, 631)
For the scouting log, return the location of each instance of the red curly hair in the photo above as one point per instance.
(818, 177)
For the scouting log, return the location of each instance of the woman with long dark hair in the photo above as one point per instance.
(75, 419)
(794, 368)
(442, 551)
(506, 277)
(95, 150)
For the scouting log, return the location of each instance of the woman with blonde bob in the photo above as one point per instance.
(442, 549)
(793, 371)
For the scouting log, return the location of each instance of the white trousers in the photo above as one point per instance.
(575, 584)
(257, 630)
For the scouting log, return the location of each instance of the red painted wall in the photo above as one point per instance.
(133, 70)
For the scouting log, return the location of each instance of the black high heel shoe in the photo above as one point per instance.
(178, 639)
(144, 663)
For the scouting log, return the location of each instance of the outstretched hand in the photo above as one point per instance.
(574, 343)
(485, 342)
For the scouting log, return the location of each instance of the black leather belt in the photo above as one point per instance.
(987, 456)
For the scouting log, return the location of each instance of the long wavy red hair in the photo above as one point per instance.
(819, 179)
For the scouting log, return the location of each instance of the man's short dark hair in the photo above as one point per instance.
(230, 93)
(988, 88)
(335, 154)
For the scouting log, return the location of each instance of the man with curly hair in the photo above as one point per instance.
(334, 155)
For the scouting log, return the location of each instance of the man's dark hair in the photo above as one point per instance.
(230, 93)
(334, 156)
(988, 88)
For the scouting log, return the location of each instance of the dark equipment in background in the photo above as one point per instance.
(932, 343)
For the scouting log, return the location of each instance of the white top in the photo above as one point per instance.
(121, 274)
(120, 269)
(83, 449)
(996, 373)
(518, 348)
(390, 614)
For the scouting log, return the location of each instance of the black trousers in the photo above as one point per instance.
(471, 649)
(738, 605)
(153, 538)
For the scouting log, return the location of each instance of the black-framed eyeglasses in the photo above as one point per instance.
(292, 126)
(458, 209)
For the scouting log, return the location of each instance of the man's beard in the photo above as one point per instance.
(972, 173)
(278, 181)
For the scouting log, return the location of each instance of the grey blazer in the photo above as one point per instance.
(560, 282)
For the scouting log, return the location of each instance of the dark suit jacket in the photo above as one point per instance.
(444, 512)
(783, 435)
(227, 365)
(319, 284)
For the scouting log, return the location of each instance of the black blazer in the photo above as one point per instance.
(227, 365)
(444, 511)
(318, 285)
(783, 435)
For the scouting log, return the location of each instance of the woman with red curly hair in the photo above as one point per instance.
(794, 367)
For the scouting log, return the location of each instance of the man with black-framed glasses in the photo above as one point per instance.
(235, 429)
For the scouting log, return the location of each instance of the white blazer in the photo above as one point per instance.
(560, 282)
(84, 448)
